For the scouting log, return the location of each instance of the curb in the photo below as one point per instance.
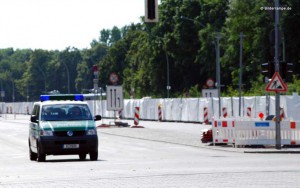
(273, 151)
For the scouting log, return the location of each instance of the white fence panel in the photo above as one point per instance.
(184, 109)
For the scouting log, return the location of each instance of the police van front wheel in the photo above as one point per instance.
(32, 156)
(41, 157)
(94, 155)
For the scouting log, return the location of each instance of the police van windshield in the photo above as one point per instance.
(65, 112)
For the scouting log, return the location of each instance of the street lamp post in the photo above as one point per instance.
(168, 67)
(218, 70)
(241, 73)
(68, 75)
(13, 97)
(168, 76)
(43, 76)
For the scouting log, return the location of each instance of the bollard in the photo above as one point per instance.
(224, 112)
(137, 118)
(205, 112)
(120, 113)
(249, 112)
(281, 114)
(159, 113)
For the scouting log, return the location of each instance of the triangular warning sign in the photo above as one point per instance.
(276, 84)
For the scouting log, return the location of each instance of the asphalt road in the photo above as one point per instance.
(160, 155)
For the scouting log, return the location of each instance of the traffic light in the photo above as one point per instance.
(268, 70)
(151, 10)
(286, 71)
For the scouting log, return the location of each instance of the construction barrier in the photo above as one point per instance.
(223, 131)
(255, 133)
(120, 114)
(252, 133)
(281, 113)
(185, 109)
(136, 116)
(224, 110)
(159, 113)
(249, 112)
(205, 113)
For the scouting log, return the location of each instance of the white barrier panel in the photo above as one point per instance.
(263, 133)
(224, 131)
(227, 104)
(290, 133)
(259, 106)
(255, 133)
(167, 109)
(192, 109)
(187, 109)
(292, 103)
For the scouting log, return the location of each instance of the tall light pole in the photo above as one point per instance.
(168, 66)
(241, 73)
(218, 70)
(68, 75)
(44, 75)
(168, 76)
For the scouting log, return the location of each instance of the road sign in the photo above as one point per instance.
(113, 78)
(114, 97)
(209, 93)
(210, 82)
(276, 84)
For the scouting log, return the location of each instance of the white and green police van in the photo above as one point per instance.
(62, 125)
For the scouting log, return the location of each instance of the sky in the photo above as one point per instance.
(58, 24)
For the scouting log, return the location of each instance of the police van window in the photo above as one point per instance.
(65, 112)
(36, 111)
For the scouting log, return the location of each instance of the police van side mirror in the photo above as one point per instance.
(33, 118)
(97, 117)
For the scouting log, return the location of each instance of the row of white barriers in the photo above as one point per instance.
(254, 132)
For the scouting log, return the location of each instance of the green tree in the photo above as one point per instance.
(248, 18)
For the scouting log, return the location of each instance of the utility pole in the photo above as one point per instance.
(241, 73)
(168, 76)
(276, 61)
(68, 75)
(218, 84)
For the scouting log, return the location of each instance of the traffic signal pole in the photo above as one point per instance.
(276, 61)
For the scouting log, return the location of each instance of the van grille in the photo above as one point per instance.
(64, 133)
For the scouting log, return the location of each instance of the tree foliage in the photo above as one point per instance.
(184, 40)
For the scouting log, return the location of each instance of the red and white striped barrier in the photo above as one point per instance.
(205, 114)
(137, 118)
(224, 132)
(281, 114)
(159, 113)
(224, 110)
(136, 115)
(249, 109)
(120, 113)
(290, 133)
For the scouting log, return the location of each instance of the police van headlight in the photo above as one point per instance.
(46, 133)
(91, 132)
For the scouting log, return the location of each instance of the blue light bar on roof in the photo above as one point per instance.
(76, 97)
(44, 98)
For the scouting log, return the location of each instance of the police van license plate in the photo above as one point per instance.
(70, 146)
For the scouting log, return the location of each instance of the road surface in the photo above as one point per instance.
(160, 155)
